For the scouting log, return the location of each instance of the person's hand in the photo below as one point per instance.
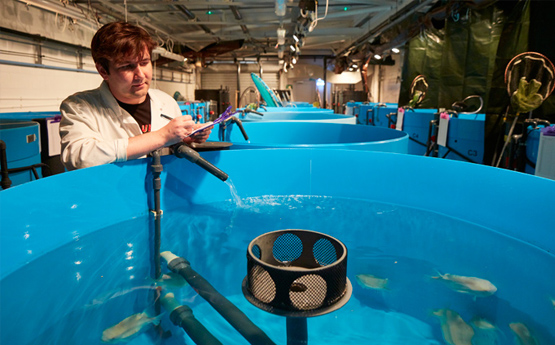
(177, 129)
(201, 136)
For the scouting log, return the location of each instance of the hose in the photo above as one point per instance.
(184, 151)
(222, 305)
(182, 316)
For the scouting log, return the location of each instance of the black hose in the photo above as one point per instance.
(240, 124)
(248, 110)
(184, 151)
(222, 305)
(33, 168)
(182, 316)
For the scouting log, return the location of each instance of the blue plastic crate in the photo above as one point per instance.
(416, 123)
(22, 140)
(465, 138)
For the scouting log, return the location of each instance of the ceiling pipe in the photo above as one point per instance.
(75, 13)
(138, 19)
(191, 16)
(415, 6)
(236, 12)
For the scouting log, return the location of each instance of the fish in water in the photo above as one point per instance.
(369, 281)
(486, 333)
(523, 334)
(482, 323)
(455, 330)
(171, 281)
(470, 285)
(129, 327)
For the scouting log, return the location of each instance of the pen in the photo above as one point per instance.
(166, 117)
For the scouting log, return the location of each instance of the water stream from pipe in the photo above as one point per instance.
(234, 193)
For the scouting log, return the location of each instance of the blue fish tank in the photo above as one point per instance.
(427, 263)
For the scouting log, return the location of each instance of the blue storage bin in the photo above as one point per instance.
(416, 123)
(380, 114)
(465, 138)
(185, 107)
(532, 145)
(22, 140)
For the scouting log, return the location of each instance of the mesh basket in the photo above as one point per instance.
(296, 273)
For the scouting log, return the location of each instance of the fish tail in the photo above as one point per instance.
(157, 319)
(439, 275)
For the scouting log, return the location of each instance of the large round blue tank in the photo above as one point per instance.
(80, 263)
(263, 134)
(306, 109)
(291, 115)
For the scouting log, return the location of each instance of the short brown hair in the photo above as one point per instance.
(117, 41)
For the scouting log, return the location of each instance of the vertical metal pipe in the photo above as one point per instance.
(297, 333)
(157, 211)
(325, 82)
(238, 91)
(6, 182)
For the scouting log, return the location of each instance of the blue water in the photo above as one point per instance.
(72, 294)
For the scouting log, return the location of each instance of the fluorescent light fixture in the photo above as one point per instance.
(395, 50)
(295, 38)
(163, 52)
(281, 36)
(292, 48)
(354, 65)
(377, 57)
(281, 8)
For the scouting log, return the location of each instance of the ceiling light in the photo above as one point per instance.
(355, 66)
(292, 48)
(163, 52)
(281, 36)
(295, 38)
(395, 50)
(377, 57)
(281, 8)
(294, 60)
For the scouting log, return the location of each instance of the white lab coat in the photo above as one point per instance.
(94, 129)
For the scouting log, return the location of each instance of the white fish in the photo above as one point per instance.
(369, 281)
(482, 323)
(455, 330)
(523, 334)
(129, 327)
(486, 333)
(470, 285)
(171, 281)
(115, 293)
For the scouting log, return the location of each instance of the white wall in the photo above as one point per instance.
(39, 89)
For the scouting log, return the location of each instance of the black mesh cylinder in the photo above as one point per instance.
(298, 273)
